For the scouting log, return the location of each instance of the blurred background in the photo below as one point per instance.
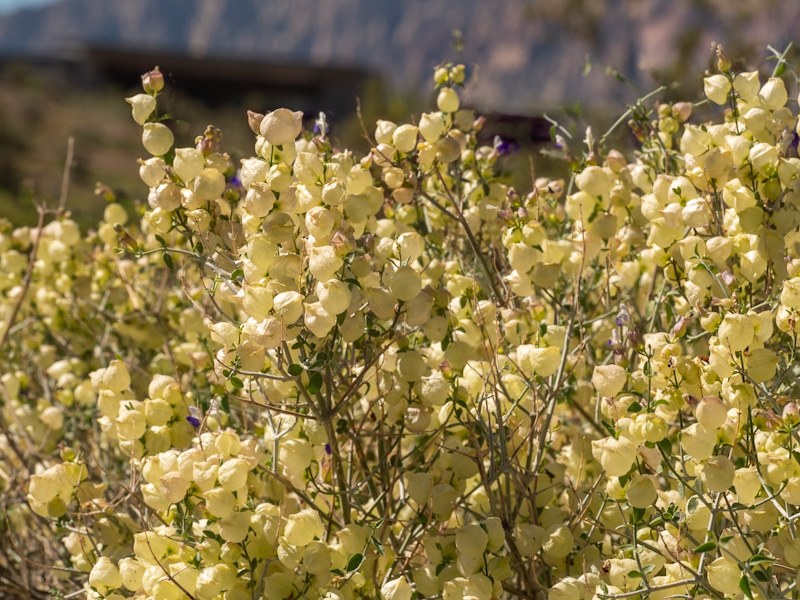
(66, 66)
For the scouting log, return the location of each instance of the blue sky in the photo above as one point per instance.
(8, 6)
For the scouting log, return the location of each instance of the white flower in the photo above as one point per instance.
(281, 126)
(142, 106)
(302, 527)
(157, 138)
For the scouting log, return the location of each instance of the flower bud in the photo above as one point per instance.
(616, 456)
(410, 366)
(153, 81)
(209, 184)
(736, 332)
(716, 88)
(384, 131)
(790, 294)
(210, 583)
(791, 552)
(447, 100)
(431, 126)
(288, 306)
(559, 543)
(641, 492)
(471, 540)
(396, 589)
(131, 571)
(157, 138)
(698, 441)
(334, 296)
(232, 474)
(609, 379)
(405, 284)
(404, 138)
(717, 474)
(566, 589)
(317, 320)
(746, 84)
(723, 575)
(105, 575)
(188, 163)
(773, 94)
(142, 106)
(116, 377)
(593, 181)
(281, 126)
(539, 361)
(302, 527)
(711, 412)
(151, 171)
(419, 487)
(220, 502)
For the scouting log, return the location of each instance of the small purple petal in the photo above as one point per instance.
(503, 147)
(194, 421)
(328, 450)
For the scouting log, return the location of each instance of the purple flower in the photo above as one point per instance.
(194, 416)
(321, 127)
(328, 450)
(503, 147)
(623, 315)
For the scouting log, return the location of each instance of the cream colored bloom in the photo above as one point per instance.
(281, 126)
(716, 88)
(302, 527)
(157, 138)
(142, 106)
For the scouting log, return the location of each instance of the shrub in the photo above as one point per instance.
(323, 376)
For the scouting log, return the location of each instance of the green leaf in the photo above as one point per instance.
(314, 383)
(634, 407)
(378, 547)
(236, 382)
(706, 547)
(761, 576)
(237, 274)
(354, 562)
(168, 261)
(757, 559)
(161, 241)
(295, 370)
(744, 585)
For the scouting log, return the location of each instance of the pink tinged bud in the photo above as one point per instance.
(153, 81)
(791, 413)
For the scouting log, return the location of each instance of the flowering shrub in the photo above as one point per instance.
(319, 376)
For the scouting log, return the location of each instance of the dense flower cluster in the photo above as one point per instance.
(313, 375)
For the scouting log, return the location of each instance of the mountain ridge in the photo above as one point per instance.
(528, 54)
